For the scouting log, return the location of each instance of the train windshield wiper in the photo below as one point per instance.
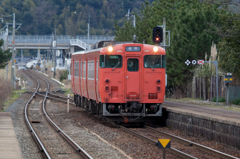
(152, 67)
(116, 65)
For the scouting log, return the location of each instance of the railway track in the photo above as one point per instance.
(154, 142)
(179, 139)
(193, 144)
(83, 154)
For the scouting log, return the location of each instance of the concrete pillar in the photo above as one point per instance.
(71, 49)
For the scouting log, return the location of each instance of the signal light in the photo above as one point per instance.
(157, 35)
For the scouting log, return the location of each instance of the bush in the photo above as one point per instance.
(236, 101)
(220, 99)
(5, 90)
(63, 75)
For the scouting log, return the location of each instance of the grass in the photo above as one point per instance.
(68, 91)
(183, 99)
(14, 96)
(236, 101)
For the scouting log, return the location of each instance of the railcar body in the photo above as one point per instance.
(124, 82)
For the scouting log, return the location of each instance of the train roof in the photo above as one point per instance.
(120, 46)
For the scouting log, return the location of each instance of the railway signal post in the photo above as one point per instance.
(159, 38)
(227, 80)
(164, 143)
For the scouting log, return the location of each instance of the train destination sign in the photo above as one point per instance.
(133, 48)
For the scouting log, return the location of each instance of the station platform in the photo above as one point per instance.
(9, 146)
(213, 123)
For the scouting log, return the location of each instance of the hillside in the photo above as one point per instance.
(70, 17)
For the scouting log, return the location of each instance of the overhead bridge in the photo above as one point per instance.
(62, 41)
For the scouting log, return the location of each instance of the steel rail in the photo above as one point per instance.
(54, 98)
(190, 143)
(79, 150)
(59, 96)
(36, 138)
(154, 142)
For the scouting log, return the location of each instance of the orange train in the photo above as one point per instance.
(122, 82)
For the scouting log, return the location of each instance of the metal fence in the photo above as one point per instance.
(234, 92)
(205, 88)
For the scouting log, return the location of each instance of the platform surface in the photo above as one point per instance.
(9, 146)
(210, 113)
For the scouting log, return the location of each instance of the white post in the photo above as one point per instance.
(68, 104)
(19, 82)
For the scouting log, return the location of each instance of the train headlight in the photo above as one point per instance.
(110, 48)
(155, 48)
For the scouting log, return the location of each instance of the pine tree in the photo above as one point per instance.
(5, 56)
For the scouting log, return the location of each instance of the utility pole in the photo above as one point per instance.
(22, 57)
(88, 29)
(5, 48)
(54, 48)
(13, 51)
(134, 21)
(48, 55)
(164, 32)
(75, 13)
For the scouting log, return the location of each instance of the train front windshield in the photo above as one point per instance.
(110, 61)
(154, 61)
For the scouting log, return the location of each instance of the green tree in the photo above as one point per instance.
(191, 38)
(5, 56)
(191, 34)
(125, 33)
(229, 48)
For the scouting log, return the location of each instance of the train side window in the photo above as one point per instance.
(97, 70)
(163, 61)
(84, 70)
(155, 61)
(76, 69)
(91, 70)
(81, 69)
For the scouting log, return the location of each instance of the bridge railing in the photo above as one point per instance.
(78, 43)
(63, 39)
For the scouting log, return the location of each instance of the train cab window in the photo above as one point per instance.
(155, 61)
(110, 61)
(132, 64)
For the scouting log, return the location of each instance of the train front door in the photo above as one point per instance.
(132, 78)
